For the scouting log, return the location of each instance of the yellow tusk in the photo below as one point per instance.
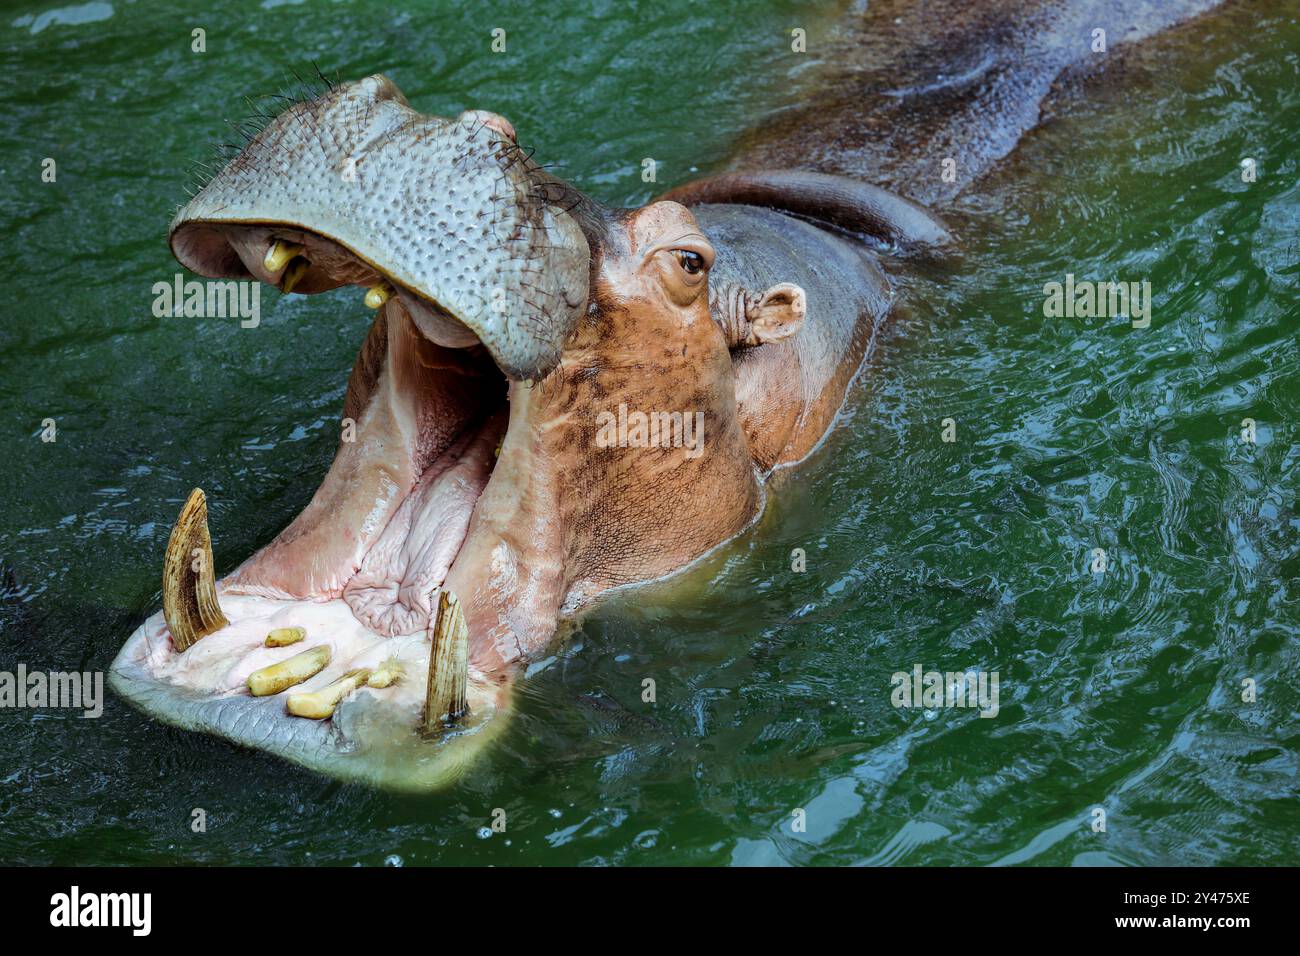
(189, 595)
(378, 295)
(279, 254)
(445, 700)
(320, 704)
(293, 274)
(295, 670)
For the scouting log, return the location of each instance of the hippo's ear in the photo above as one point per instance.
(778, 315)
(749, 319)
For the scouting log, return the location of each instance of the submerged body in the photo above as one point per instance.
(906, 87)
(516, 316)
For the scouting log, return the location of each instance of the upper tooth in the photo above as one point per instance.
(378, 295)
(296, 270)
(279, 254)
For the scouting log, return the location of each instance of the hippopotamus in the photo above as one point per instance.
(554, 399)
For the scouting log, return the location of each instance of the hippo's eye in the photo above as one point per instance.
(692, 262)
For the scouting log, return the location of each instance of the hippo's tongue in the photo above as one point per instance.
(385, 526)
(390, 593)
(357, 187)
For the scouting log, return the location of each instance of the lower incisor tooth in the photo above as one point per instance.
(284, 636)
(320, 704)
(295, 670)
(386, 674)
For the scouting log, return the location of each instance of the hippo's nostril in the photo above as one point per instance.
(493, 121)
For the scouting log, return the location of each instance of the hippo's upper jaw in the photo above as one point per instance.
(450, 213)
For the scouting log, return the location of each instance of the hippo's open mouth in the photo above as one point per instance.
(361, 570)
(477, 278)
(428, 409)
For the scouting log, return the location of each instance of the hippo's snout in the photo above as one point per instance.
(356, 187)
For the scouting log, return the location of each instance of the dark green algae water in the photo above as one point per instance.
(1119, 690)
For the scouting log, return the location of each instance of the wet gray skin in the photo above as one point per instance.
(519, 308)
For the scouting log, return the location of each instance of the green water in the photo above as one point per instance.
(1119, 690)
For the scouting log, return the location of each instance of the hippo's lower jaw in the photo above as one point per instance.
(395, 524)
(374, 735)
(361, 576)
